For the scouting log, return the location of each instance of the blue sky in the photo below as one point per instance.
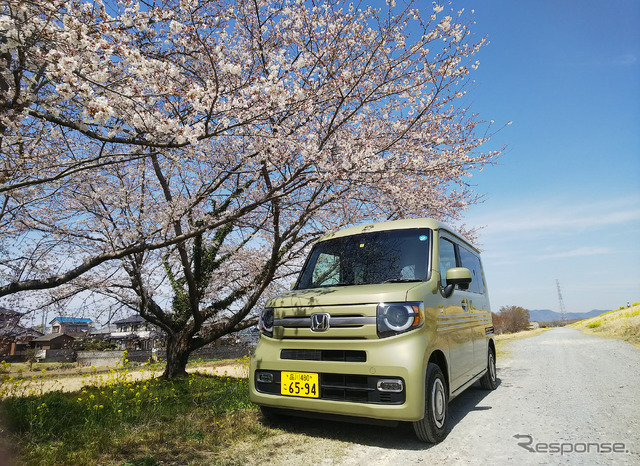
(564, 201)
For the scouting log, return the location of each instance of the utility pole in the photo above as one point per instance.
(563, 310)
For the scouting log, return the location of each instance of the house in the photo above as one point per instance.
(14, 338)
(103, 333)
(134, 323)
(15, 342)
(54, 347)
(135, 333)
(73, 326)
(53, 341)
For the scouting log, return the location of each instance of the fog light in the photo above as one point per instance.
(264, 377)
(390, 385)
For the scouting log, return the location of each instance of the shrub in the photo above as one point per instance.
(595, 324)
(511, 319)
(31, 357)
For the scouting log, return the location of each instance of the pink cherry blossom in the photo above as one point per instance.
(132, 132)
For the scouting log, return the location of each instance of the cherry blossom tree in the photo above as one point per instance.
(179, 156)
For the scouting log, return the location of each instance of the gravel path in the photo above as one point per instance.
(559, 391)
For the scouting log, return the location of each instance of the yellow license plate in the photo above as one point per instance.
(299, 384)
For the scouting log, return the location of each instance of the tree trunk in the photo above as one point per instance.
(178, 352)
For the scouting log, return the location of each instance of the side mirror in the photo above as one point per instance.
(460, 276)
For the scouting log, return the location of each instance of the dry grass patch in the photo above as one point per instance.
(623, 324)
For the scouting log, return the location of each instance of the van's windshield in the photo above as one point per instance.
(368, 258)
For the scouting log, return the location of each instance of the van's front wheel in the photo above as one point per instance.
(433, 427)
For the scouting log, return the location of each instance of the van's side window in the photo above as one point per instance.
(472, 262)
(447, 258)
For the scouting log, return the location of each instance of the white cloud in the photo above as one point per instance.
(538, 219)
(528, 244)
(579, 252)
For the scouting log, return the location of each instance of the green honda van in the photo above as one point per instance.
(387, 321)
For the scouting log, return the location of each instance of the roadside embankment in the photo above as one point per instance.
(623, 324)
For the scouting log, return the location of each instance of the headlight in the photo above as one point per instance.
(395, 318)
(266, 321)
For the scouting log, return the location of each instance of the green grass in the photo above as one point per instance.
(139, 423)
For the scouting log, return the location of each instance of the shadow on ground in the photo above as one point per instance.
(401, 437)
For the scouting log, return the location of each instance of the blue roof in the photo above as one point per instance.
(71, 320)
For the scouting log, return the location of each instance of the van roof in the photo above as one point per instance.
(395, 225)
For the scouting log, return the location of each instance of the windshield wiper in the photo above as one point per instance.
(402, 280)
(335, 284)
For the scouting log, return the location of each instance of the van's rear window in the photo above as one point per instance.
(368, 258)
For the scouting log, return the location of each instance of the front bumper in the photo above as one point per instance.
(348, 381)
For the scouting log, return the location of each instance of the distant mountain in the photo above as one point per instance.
(545, 315)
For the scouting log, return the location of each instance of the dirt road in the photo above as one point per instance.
(569, 398)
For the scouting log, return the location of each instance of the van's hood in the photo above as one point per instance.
(344, 295)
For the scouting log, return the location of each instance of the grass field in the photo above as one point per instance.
(623, 323)
(113, 420)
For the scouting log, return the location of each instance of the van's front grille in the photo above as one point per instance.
(340, 387)
(324, 355)
(335, 321)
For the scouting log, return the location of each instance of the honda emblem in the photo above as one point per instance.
(320, 322)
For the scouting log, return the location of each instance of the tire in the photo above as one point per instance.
(433, 427)
(489, 380)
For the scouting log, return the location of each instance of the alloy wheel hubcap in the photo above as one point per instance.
(438, 405)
